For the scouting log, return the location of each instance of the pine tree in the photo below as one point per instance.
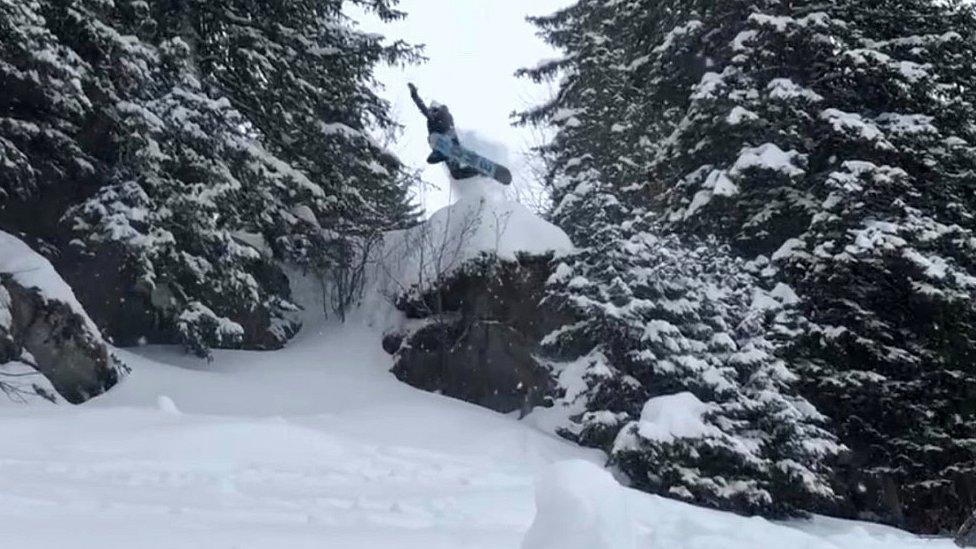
(182, 206)
(223, 140)
(833, 145)
(666, 336)
(302, 76)
(42, 107)
(855, 171)
(657, 324)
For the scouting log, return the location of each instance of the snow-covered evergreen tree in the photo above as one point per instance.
(182, 207)
(665, 331)
(301, 74)
(222, 138)
(832, 146)
(659, 325)
(42, 107)
(670, 367)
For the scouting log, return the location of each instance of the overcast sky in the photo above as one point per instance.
(474, 47)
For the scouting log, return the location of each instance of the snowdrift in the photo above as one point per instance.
(579, 506)
(317, 446)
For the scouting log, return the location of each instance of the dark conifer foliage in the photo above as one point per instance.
(43, 105)
(175, 153)
(677, 336)
(663, 325)
(832, 146)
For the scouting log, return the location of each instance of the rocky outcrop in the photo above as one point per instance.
(43, 329)
(475, 335)
(966, 537)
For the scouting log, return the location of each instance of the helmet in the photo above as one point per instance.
(440, 119)
(438, 108)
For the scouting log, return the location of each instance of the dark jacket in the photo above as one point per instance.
(439, 120)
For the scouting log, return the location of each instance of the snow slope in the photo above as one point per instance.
(313, 446)
(318, 446)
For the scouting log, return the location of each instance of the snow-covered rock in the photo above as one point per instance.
(469, 282)
(478, 223)
(43, 329)
(475, 335)
(22, 265)
(579, 506)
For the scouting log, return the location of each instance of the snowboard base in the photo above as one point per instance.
(466, 157)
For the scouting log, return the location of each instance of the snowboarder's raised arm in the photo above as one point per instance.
(416, 99)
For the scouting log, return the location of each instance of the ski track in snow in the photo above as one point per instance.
(318, 446)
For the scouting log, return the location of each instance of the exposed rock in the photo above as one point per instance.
(125, 313)
(484, 362)
(966, 537)
(475, 336)
(43, 328)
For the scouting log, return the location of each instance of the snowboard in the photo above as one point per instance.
(466, 157)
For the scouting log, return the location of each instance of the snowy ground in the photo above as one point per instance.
(314, 446)
(318, 445)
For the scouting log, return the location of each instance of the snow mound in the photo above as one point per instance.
(668, 417)
(579, 506)
(465, 230)
(167, 406)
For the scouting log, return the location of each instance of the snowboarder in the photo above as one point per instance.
(440, 121)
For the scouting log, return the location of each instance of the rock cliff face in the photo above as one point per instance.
(469, 281)
(43, 330)
(475, 335)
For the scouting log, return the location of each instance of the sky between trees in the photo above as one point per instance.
(474, 48)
